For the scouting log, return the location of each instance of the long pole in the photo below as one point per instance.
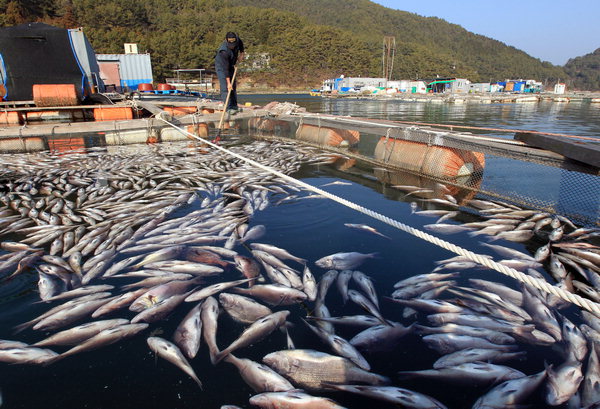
(226, 103)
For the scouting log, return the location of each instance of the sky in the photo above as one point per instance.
(551, 30)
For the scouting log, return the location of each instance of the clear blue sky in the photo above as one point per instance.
(551, 30)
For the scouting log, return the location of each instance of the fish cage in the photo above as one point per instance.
(491, 167)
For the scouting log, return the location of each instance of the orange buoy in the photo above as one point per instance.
(113, 114)
(179, 111)
(200, 130)
(47, 95)
(145, 87)
(58, 145)
(208, 111)
(327, 136)
(10, 117)
(437, 161)
(269, 125)
(164, 87)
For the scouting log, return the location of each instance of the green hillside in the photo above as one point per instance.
(305, 41)
(584, 71)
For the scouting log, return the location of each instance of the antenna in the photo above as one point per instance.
(389, 51)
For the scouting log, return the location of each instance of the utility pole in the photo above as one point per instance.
(389, 51)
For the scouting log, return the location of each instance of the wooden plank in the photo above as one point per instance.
(586, 152)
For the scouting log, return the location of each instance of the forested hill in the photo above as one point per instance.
(585, 71)
(305, 41)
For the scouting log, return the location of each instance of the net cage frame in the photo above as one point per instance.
(570, 188)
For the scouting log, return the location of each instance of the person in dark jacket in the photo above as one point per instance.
(229, 53)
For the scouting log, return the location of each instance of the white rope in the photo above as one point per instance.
(517, 275)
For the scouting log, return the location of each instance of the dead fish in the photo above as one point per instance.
(243, 309)
(205, 292)
(467, 355)
(309, 284)
(340, 346)
(472, 373)
(366, 228)
(590, 393)
(351, 320)
(118, 302)
(277, 252)
(27, 355)
(344, 261)
(366, 285)
(255, 332)
(209, 314)
(563, 382)
(366, 304)
(342, 281)
(510, 393)
(392, 394)
(258, 376)
(247, 266)
(446, 228)
(448, 343)
(171, 353)
(75, 335)
(106, 337)
(381, 338)
(255, 232)
(292, 400)
(273, 294)
(189, 332)
(310, 369)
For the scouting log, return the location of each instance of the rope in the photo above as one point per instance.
(540, 285)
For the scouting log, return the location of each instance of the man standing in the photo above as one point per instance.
(229, 53)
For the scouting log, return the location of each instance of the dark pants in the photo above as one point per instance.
(233, 104)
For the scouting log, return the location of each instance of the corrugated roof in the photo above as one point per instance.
(132, 66)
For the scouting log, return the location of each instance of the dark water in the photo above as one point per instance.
(128, 375)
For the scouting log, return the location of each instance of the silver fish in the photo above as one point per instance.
(205, 292)
(467, 355)
(344, 261)
(292, 400)
(243, 309)
(366, 304)
(75, 335)
(27, 355)
(188, 333)
(255, 332)
(510, 393)
(366, 285)
(342, 283)
(448, 343)
(472, 373)
(563, 382)
(273, 294)
(590, 393)
(392, 394)
(209, 314)
(309, 284)
(277, 252)
(106, 337)
(381, 338)
(258, 376)
(171, 353)
(310, 369)
(341, 347)
(366, 228)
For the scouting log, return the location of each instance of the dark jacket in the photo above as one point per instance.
(225, 59)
